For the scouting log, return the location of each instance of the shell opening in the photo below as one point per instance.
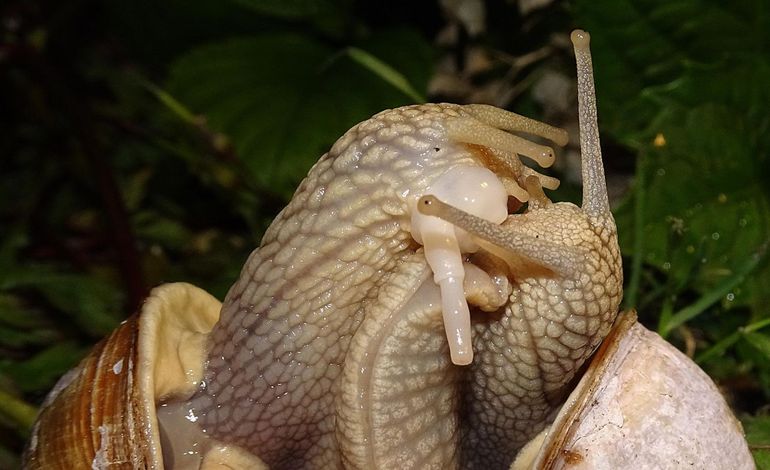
(478, 191)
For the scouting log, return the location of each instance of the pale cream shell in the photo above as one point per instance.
(642, 404)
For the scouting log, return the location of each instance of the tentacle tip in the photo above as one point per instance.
(547, 157)
(428, 205)
(561, 137)
(580, 39)
(532, 181)
(461, 358)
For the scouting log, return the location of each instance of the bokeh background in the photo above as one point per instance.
(148, 141)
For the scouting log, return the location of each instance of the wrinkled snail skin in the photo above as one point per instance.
(550, 326)
(329, 256)
(400, 392)
(555, 319)
(276, 356)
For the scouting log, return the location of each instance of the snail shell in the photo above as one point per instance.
(102, 414)
(641, 404)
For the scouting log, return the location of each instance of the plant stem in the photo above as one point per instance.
(711, 297)
(632, 292)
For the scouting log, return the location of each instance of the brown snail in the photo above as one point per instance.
(348, 340)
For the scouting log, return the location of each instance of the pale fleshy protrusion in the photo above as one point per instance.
(480, 192)
(537, 198)
(513, 188)
(547, 182)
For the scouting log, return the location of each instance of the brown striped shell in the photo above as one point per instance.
(102, 413)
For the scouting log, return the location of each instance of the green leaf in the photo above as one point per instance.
(759, 341)
(758, 435)
(154, 227)
(644, 43)
(18, 412)
(284, 99)
(94, 304)
(722, 345)
(706, 207)
(177, 108)
(17, 339)
(668, 323)
(15, 314)
(385, 72)
(761, 458)
(683, 83)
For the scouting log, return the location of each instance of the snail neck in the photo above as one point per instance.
(286, 325)
(277, 353)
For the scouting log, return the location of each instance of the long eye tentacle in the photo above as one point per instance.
(595, 200)
(504, 242)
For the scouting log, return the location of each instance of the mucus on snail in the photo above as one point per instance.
(396, 315)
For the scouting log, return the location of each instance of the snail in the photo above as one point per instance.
(395, 315)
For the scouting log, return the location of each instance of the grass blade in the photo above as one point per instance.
(707, 300)
(385, 72)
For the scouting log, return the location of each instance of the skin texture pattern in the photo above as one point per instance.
(396, 315)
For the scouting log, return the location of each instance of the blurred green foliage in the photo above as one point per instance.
(146, 142)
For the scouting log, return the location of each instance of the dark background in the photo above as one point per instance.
(151, 141)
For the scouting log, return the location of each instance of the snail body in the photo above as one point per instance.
(278, 352)
(349, 339)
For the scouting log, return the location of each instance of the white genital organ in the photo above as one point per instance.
(475, 190)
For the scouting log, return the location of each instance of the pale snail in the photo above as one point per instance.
(348, 341)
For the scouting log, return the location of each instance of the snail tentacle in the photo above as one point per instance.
(472, 131)
(506, 241)
(509, 121)
(595, 200)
